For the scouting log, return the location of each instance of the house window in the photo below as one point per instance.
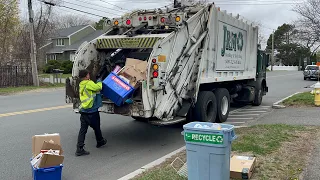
(52, 57)
(60, 42)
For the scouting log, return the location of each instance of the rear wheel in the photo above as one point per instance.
(206, 107)
(304, 78)
(223, 104)
(258, 96)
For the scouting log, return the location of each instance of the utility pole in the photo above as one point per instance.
(272, 52)
(33, 46)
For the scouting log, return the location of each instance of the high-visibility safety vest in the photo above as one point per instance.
(88, 91)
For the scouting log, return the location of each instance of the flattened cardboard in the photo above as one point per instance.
(48, 145)
(241, 167)
(49, 160)
(134, 70)
(38, 140)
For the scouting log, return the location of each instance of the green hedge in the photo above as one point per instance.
(66, 66)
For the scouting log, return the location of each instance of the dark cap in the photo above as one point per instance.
(83, 73)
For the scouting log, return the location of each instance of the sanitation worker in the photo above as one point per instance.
(90, 98)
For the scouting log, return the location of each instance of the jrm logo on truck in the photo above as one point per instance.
(231, 41)
(204, 138)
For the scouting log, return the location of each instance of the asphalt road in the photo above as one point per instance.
(131, 144)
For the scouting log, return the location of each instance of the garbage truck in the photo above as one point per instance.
(199, 59)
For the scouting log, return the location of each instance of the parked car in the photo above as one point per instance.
(311, 72)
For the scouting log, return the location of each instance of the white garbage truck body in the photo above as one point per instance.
(200, 59)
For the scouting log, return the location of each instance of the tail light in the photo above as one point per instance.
(140, 18)
(150, 17)
(155, 67)
(116, 23)
(128, 22)
(155, 74)
(163, 20)
(145, 18)
(178, 18)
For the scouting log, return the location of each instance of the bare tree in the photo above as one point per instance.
(43, 29)
(309, 23)
(68, 20)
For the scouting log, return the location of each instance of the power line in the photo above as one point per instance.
(90, 8)
(82, 14)
(53, 4)
(114, 5)
(98, 5)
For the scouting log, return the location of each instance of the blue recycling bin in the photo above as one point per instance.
(51, 173)
(208, 151)
(116, 89)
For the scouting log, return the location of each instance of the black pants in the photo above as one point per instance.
(92, 120)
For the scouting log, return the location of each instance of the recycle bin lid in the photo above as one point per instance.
(224, 127)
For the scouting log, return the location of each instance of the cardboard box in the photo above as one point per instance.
(38, 140)
(135, 71)
(50, 160)
(242, 167)
(49, 145)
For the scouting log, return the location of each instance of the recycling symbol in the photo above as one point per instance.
(220, 139)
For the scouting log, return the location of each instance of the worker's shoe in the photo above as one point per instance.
(82, 152)
(101, 143)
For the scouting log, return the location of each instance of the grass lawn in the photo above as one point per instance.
(281, 152)
(12, 90)
(48, 75)
(301, 99)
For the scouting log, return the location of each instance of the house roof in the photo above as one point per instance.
(75, 46)
(64, 33)
(88, 38)
(56, 50)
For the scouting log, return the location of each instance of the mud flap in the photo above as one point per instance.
(69, 92)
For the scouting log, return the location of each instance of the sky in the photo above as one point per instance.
(270, 13)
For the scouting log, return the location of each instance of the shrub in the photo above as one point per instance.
(66, 66)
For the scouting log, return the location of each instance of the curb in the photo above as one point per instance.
(278, 105)
(152, 164)
(158, 162)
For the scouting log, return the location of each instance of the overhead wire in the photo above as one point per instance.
(114, 5)
(90, 8)
(91, 3)
(58, 5)
(79, 13)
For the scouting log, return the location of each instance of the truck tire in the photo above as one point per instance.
(258, 96)
(206, 107)
(223, 104)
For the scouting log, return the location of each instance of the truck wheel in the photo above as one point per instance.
(206, 107)
(258, 97)
(304, 78)
(223, 104)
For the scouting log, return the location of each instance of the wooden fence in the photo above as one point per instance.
(14, 76)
